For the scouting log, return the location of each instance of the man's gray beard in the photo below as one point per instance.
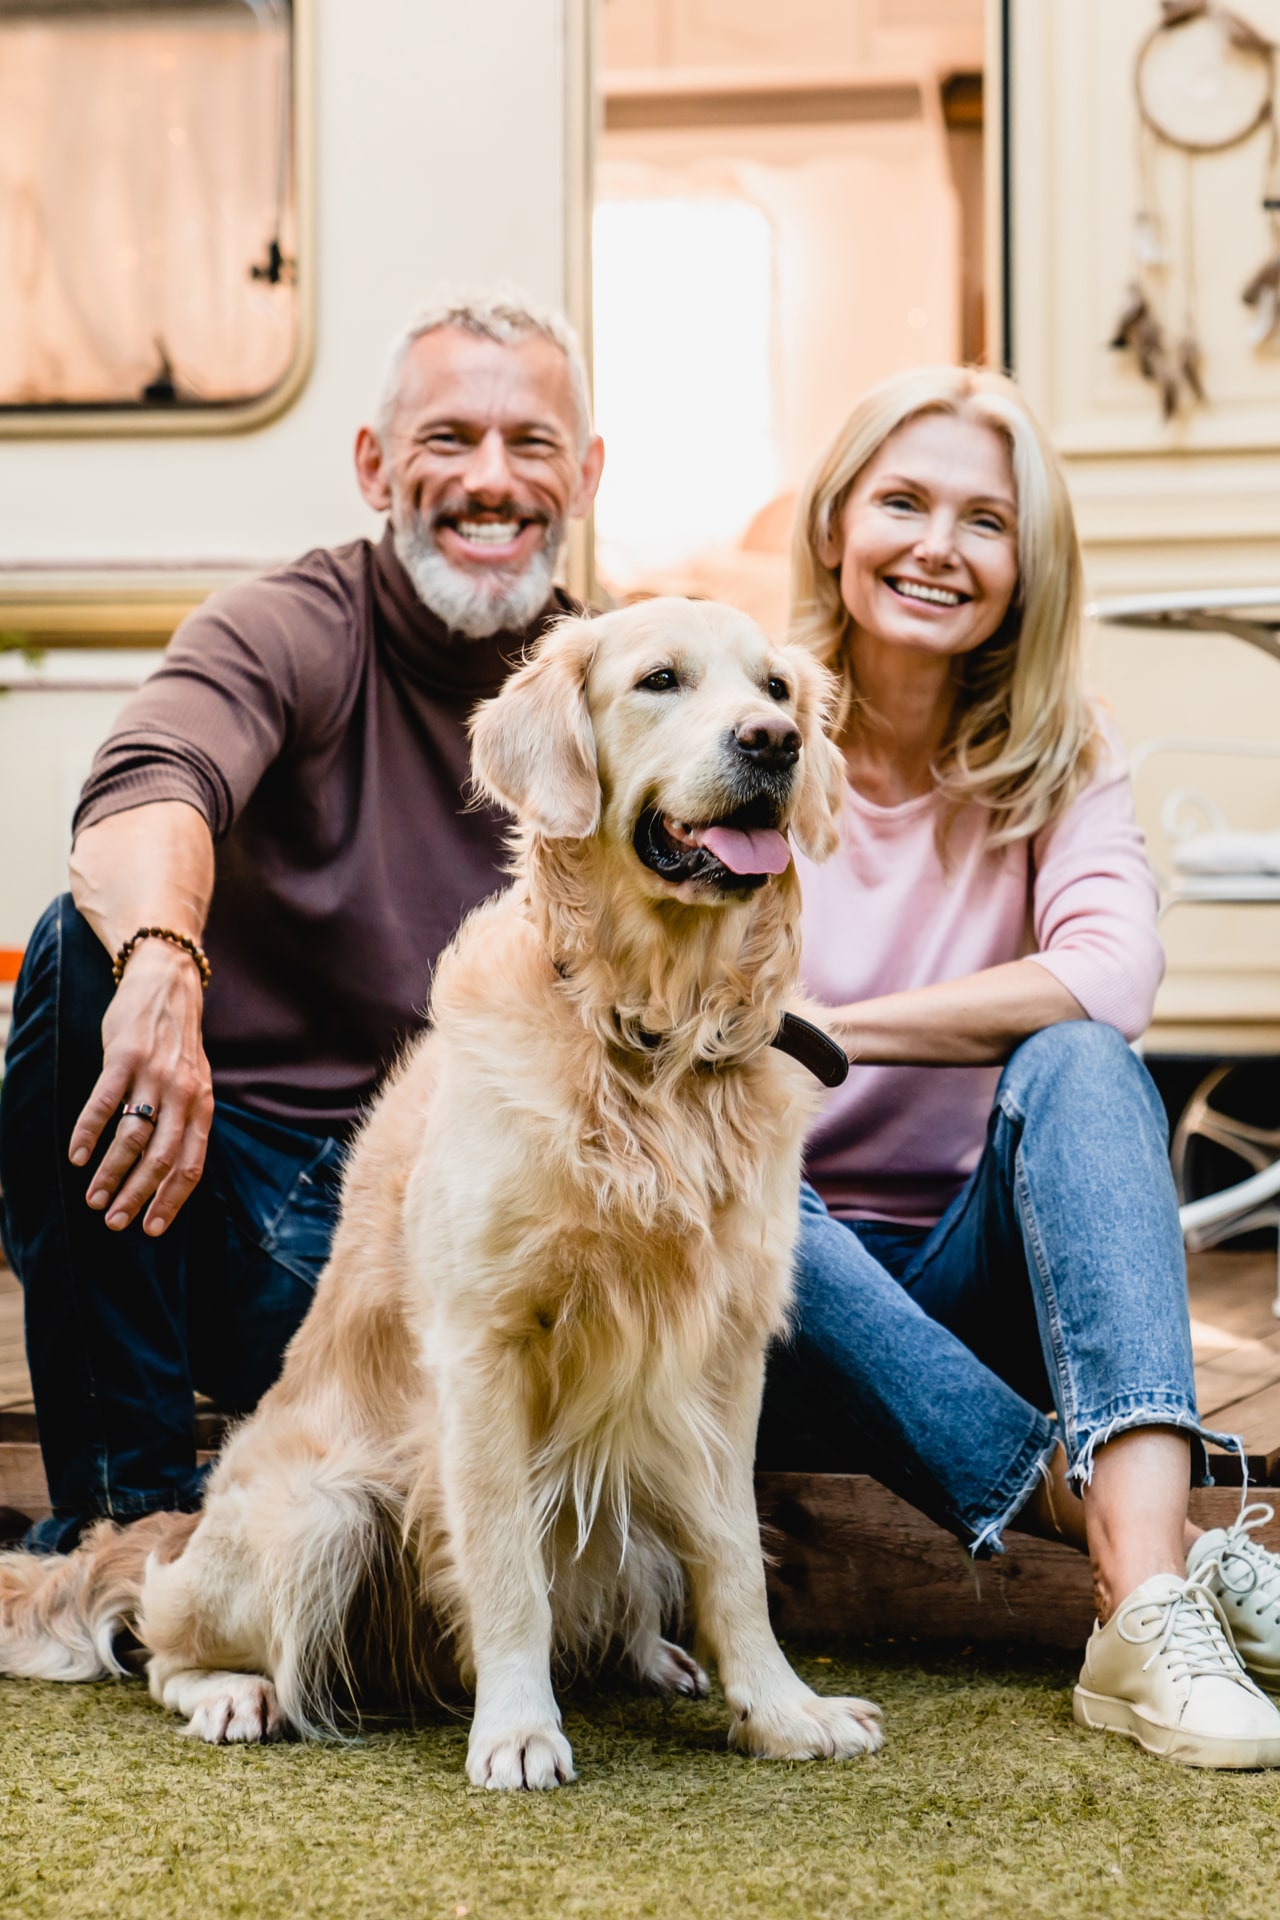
(477, 605)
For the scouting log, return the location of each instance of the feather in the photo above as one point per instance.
(1132, 314)
(1175, 373)
(1266, 315)
(1267, 278)
(1190, 365)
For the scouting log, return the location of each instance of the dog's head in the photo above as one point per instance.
(673, 730)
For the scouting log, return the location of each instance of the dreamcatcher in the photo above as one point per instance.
(1204, 80)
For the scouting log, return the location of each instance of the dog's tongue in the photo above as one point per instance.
(748, 850)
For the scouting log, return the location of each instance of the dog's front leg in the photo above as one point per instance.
(774, 1713)
(501, 1581)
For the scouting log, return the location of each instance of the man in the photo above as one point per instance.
(281, 812)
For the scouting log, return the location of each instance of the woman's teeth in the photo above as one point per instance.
(489, 533)
(936, 596)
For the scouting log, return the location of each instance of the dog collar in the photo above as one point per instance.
(825, 1058)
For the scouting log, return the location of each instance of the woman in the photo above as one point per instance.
(983, 1245)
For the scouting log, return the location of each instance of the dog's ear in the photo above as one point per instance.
(815, 818)
(532, 748)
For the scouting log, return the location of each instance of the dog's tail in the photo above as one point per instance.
(60, 1613)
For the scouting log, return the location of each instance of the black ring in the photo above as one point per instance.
(141, 1112)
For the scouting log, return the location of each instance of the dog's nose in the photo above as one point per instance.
(768, 740)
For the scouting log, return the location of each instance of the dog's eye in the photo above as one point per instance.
(778, 689)
(661, 681)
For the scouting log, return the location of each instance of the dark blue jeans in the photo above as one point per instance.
(1055, 1283)
(122, 1330)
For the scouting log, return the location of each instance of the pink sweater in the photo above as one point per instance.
(896, 1143)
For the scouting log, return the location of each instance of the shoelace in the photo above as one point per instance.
(1188, 1629)
(1259, 1567)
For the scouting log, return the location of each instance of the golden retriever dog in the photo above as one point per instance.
(519, 1419)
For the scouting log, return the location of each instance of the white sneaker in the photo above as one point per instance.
(1163, 1672)
(1244, 1578)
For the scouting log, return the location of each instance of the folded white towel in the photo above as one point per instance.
(1249, 853)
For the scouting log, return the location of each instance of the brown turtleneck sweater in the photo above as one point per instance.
(316, 717)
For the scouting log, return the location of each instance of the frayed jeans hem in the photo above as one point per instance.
(1082, 1447)
(989, 1538)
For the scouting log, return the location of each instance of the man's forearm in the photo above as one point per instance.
(974, 1021)
(153, 1101)
(149, 866)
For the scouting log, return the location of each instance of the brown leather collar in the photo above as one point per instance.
(825, 1058)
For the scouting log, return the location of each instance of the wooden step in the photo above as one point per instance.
(849, 1558)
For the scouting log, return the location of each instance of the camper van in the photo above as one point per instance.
(215, 215)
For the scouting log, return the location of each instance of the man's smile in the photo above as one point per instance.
(479, 536)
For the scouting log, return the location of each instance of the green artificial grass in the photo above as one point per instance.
(986, 1801)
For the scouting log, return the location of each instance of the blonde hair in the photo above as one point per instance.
(1022, 740)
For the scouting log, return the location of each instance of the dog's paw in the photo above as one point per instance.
(808, 1726)
(233, 1706)
(537, 1757)
(671, 1670)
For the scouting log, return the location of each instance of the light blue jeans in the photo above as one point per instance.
(929, 1357)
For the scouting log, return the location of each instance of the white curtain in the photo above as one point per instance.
(140, 162)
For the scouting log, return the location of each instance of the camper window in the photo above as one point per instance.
(148, 229)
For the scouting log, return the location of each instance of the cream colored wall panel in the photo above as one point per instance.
(47, 741)
(1191, 503)
(441, 162)
(1095, 399)
(1223, 962)
(1185, 566)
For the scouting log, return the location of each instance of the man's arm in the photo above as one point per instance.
(149, 866)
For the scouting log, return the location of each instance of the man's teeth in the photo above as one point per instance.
(489, 533)
(938, 596)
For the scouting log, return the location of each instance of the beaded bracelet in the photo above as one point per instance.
(182, 940)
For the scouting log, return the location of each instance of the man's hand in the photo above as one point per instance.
(151, 866)
(152, 1055)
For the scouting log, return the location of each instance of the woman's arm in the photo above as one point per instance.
(1098, 954)
(971, 1022)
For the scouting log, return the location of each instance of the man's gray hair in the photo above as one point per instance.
(505, 317)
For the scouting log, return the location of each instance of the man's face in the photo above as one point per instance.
(480, 468)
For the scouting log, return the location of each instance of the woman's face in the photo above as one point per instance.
(927, 544)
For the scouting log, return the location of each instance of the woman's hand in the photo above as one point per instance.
(153, 1056)
(975, 1021)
